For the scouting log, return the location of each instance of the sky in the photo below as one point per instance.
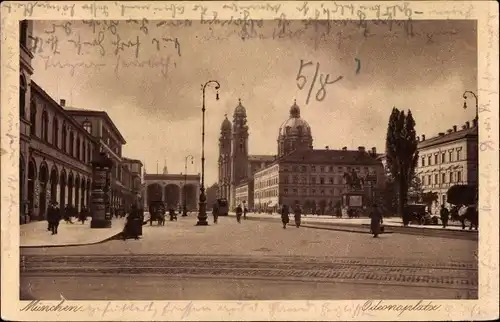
(152, 91)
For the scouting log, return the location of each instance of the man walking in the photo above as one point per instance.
(445, 215)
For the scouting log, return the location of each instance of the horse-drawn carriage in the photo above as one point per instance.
(157, 211)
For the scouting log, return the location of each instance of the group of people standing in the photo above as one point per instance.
(55, 214)
(297, 213)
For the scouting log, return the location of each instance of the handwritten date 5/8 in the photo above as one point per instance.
(323, 81)
(121, 45)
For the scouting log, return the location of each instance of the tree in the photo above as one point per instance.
(401, 153)
(462, 195)
(429, 198)
(211, 194)
(415, 190)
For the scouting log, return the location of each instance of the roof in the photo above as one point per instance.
(261, 158)
(347, 157)
(449, 137)
(132, 160)
(148, 176)
(84, 112)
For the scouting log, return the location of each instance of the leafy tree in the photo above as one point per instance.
(401, 153)
(415, 190)
(429, 198)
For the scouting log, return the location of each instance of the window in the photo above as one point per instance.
(87, 126)
(78, 155)
(443, 157)
(313, 180)
(429, 180)
(331, 180)
(321, 169)
(459, 176)
(423, 161)
(322, 191)
(322, 180)
(451, 177)
(285, 191)
(436, 159)
(64, 138)
(429, 159)
(23, 32)
(295, 179)
(294, 191)
(313, 168)
(55, 132)
(459, 155)
(45, 126)
(71, 143)
(443, 177)
(22, 96)
(436, 179)
(33, 117)
(331, 168)
(450, 156)
(422, 180)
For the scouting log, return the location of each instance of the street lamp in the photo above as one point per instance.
(184, 209)
(202, 207)
(465, 102)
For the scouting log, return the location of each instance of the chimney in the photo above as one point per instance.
(441, 133)
(454, 128)
(62, 102)
(423, 137)
(450, 131)
(474, 122)
(344, 148)
(464, 127)
(374, 151)
(327, 147)
(361, 148)
(467, 124)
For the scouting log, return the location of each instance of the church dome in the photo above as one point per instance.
(240, 110)
(295, 125)
(226, 125)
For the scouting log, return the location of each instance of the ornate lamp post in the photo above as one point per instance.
(465, 102)
(202, 207)
(184, 209)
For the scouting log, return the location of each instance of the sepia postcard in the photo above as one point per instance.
(249, 160)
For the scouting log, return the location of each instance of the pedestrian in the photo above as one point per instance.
(297, 212)
(215, 212)
(239, 211)
(57, 218)
(133, 224)
(50, 215)
(284, 216)
(67, 214)
(83, 215)
(445, 215)
(376, 220)
(245, 210)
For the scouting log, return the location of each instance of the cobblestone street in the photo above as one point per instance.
(252, 257)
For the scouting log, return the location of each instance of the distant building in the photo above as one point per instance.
(245, 194)
(448, 159)
(235, 164)
(315, 178)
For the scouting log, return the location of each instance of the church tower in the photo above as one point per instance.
(239, 151)
(225, 160)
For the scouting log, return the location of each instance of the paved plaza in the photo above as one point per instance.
(252, 260)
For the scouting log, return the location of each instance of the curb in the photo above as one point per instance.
(452, 234)
(114, 237)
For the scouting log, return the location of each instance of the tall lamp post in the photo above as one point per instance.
(202, 207)
(465, 102)
(184, 209)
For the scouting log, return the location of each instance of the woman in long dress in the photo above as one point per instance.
(376, 220)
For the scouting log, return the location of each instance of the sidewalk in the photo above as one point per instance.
(363, 225)
(35, 234)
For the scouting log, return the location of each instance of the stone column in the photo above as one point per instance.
(58, 194)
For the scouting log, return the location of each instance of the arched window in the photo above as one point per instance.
(78, 156)
(23, 32)
(71, 144)
(33, 117)
(87, 126)
(55, 132)
(45, 126)
(22, 96)
(64, 138)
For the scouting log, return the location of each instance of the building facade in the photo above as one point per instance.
(110, 141)
(245, 194)
(316, 178)
(448, 159)
(174, 190)
(236, 166)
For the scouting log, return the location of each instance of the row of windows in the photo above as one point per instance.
(266, 183)
(267, 193)
(314, 180)
(451, 177)
(305, 192)
(265, 173)
(331, 168)
(436, 159)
